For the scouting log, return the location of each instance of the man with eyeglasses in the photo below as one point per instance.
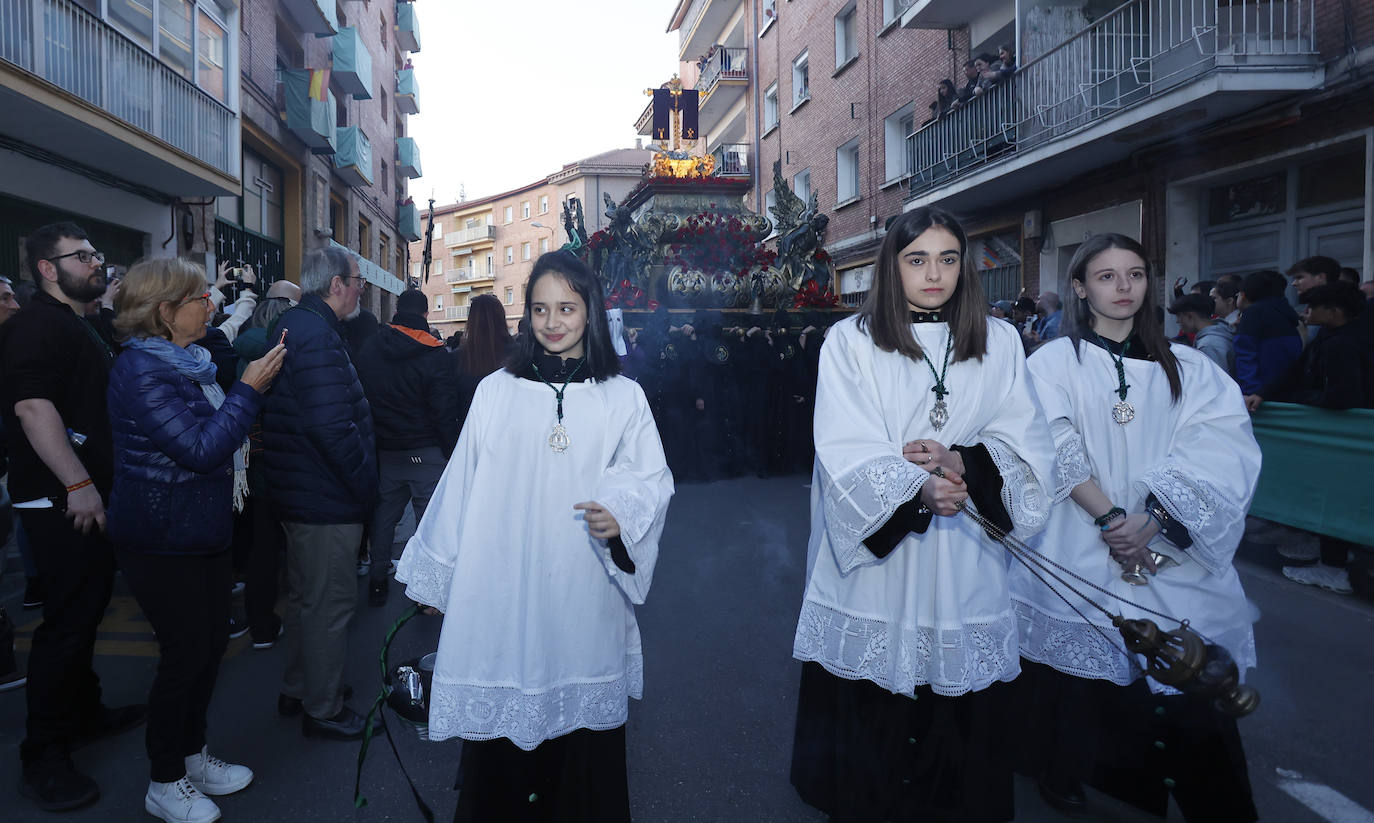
(319, 458)
(54, 369)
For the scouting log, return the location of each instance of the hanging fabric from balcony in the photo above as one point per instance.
(407, 157)
(354, 156)
(311, 118)
(407, 27)
(1332, 500)
(408, 221)
(407, 92)
(352, 64)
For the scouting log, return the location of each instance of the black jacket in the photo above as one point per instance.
(1335, 371)
(409, 382)
(319, 451)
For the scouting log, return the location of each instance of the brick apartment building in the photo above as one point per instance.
(1228, 135)
(489, 245)
(189, 129)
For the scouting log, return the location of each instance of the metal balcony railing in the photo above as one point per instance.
(472, 235)
(732, 160)
(455, 276)
(456, 313)
(73, 49)
(724, 62)
(1136, 53)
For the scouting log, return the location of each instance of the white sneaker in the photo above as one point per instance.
(1328, 577)
(179, 802)
(1305, 547)
(213, 776)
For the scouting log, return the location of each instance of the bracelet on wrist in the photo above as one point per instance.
(78, 486)
(1114, 513)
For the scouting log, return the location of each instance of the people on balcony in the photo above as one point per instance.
(945, 98)
(1006, 62)
(965, 93)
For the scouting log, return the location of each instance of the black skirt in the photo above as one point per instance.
(864, 754)
(576, 778)
(1136, 746)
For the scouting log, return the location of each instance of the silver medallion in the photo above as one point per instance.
(1123, 412)
(558, 440)
(939, 415)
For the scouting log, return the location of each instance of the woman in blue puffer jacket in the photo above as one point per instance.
(176, 437)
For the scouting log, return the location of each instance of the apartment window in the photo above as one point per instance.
(801, 80)
(770, 107)
(770, 201)
(415, 271)
(490, 218)
(510, 214)
(364, 237)
(385, 184)
(525, 210)
(438, 229)
(846, 41)
(524, 251)
(801, 185)
(386, 107)
(896, 127)
(470, 223)
(490, 264)
(510, 255)
(438, 266)
(544, 204)
(847, 171)
(543, 245)
(385, 29)
(892, 9)
(174, 34)
(383, 249)
(439, 303)
(770, 14)
(510, 297)
(211, 74)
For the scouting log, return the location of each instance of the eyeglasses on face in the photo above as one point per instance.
(203, 298)
(82, 255)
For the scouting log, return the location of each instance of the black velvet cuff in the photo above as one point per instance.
(620, 555)
(911, 516)
(1173, 531)
(984, 485)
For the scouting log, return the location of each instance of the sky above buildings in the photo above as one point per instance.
(512, 91)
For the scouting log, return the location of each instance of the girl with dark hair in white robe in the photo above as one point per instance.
(906, 628)
(1155, 450)
(542, 538)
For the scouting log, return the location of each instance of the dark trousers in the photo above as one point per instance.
(1134, 745)
(407, 478)
(77, 574)
(264, 570)
(1335, 552)
(577, 778)
(186, 600)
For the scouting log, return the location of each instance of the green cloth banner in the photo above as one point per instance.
(1318, 467)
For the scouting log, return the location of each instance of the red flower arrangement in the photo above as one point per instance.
(627, 295)
(812, 296)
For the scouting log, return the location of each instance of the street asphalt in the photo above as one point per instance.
(711, 740)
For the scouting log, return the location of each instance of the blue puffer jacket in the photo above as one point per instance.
(1267, 342)
(319, 451)
(174, 458)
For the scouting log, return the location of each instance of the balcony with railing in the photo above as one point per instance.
(732, 160)
(466, 236)
(456, 313)
(317, 17)
(704, 24)
(949, 14)
(408, 222)
(407, 157)
(1148, 71)
(407, 26)
(310, 118)
(59, 42)
(407, 92)
(353, 160)
(371, 272)
(352, 64)
(721, 85)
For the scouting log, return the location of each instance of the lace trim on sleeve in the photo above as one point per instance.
(951, 660)
(862, 500)
(1070, 467)
(633, 511)
(427, 580)
(1022, 495)
(475, 712)
(1208, 516)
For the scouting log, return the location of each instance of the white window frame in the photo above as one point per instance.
(847, 172)
(801, 185)
(491, 263)
(509, 214)
(543, 245)
(439, 302)
(770, 107)
(846, 35)
(801, 78)
(525, 210)
(770, 15)
(525, 251)
(543, 204)
(895, 155)
(510, 297)
(510, 255)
